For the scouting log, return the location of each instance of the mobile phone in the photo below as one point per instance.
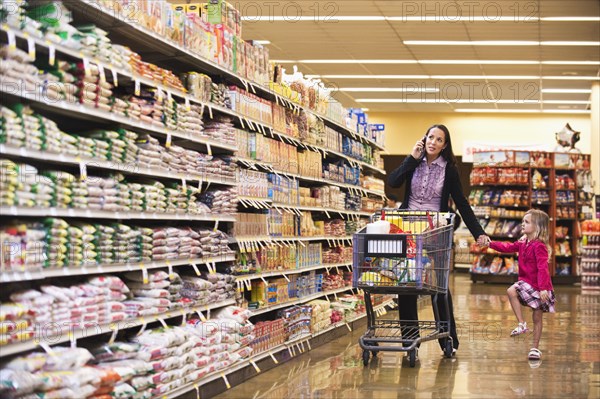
(424, 140)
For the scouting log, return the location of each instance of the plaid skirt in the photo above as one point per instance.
(529, 296)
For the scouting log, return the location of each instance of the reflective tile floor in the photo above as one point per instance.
(489, 363)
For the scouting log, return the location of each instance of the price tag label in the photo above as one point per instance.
(144, 273)
(274, 358)
(47, 349)
(72, 338)
(82, 171)
(200, 316)
(12, 40)
(115, 330)
(170, 267)
(216, 225)
(188, 107)
(101, 73)
(183, 184)
(196, 269)
(227, 384)
(51, 55)
(208, 149)
(143, 323)
(86, 67)
(164, 323)
(210, 114)
(138, 88)
(115, 78)
(242, 122)
(169, 140)
(184, 317)
(255, 366)
(31, 48)
(159, 95)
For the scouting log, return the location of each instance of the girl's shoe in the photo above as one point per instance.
(534, 354)
(521, 329)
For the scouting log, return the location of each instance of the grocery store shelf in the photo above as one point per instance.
(82, 112)
(120, 215)
(288, 345)
(269, 239)
(132, 169)
(279, 273)
(494, 278)
(140, 37)
(66, 333)
(7, 276)
(304, 299)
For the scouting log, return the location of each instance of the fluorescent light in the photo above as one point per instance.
(413, 18)
(390, 89)
(459, 18)
(570, 19)
(358, 61)
(478, 62)
(574, 102)
(494, 77)
(371, 76)
(263, 42)
(571, 77)
(570, 43)
(566, 91)
(365, 109)
(308, 18)
(523, 111)
(501, 111)
(442, 101)
(497, 43)
(438, 62)
(457, 77)
(470, 43)
(570, 62)
(566, 111)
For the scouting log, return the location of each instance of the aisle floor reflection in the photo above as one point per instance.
(489, 363)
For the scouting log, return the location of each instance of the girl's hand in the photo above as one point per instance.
(544, 296)
(483, 241)
(418, 149)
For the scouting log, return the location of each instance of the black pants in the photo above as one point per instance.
(407, 309)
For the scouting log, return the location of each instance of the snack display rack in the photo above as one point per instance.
(507, 183)
(77, 117)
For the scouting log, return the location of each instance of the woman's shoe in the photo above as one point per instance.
(520, 329)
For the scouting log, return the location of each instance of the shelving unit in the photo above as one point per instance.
(589, 260)
(76, 118)
(518, 181)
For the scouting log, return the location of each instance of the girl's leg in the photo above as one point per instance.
(514, 303)
(537, 326)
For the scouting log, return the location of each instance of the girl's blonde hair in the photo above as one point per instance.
(541, 222)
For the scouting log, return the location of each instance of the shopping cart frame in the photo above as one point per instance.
(429, 240)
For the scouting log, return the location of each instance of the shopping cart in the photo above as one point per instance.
(415, 261)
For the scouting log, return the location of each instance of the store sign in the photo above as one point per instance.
(469, 147)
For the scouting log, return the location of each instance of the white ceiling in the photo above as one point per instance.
(324, 33)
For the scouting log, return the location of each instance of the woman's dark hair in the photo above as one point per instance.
(447, 152)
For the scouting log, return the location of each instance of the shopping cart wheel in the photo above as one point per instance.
(366, 356)
(448, 349)
(412, 357)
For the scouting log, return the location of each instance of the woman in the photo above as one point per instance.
(431, 178)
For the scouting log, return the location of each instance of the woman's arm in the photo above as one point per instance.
(400, 174)
(466, 212)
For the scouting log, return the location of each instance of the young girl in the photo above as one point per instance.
(534, 288)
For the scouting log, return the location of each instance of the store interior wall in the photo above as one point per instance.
(403, 129)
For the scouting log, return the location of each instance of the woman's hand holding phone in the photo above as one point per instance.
(419, 149)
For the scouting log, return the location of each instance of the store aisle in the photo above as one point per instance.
(489, 363)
